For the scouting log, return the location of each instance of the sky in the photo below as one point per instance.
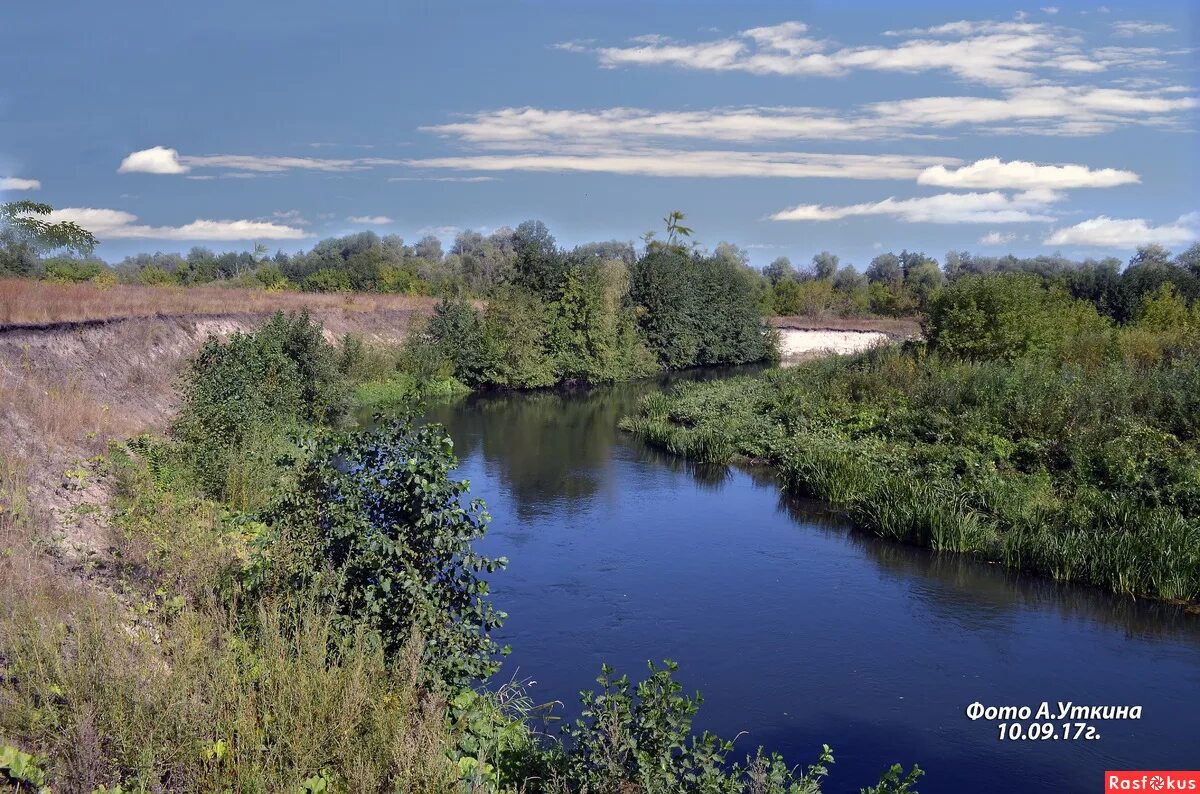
(785, 128)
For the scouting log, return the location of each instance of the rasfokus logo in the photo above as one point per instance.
(1151, 781)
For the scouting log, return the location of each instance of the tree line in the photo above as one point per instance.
(528, 257)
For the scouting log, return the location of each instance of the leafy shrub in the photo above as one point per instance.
(698, 311)
(1007, 317)
(243, 396)
(327, 280)
(639, 738)
(376, 525)
(63, 270)
(514, 338)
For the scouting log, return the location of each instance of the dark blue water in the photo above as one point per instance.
(795, 628)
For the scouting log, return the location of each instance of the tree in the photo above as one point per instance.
(885, 269)
(1152, 255)
(538, 262)
(779, 270)
(922, 279)
(25, 232)
(428, 248)
(848, 280)
(25, 220)
(675, 228)
(1190, 260)
(824, 264)
(1008, 316)
(732, 254)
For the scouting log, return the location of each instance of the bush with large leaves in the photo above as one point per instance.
(377, 527)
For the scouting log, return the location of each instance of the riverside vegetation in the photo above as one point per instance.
(291, 604)
(1030, 429)
(296, 606)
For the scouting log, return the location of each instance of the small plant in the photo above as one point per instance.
(23, 769)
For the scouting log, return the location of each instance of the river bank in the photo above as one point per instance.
(797, 627)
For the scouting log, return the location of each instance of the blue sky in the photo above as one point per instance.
(786, 128)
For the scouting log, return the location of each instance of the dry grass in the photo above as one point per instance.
(105, 691)
(26, 302)
(892, 326)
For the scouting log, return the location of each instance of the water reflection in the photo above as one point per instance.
(554, 448)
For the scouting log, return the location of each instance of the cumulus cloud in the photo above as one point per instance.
(109, 224)
(992, 207)
(723, 163)
(371, 220)
(155, 160)
(17, 183)
(997, 238)
(1022, 175)
(993, 53)
(1127, 233)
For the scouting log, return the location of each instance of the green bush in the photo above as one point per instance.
(63, 270)
(1008, 316)
(244, 396)
(514, 341)
(698, 311)
(639, 738)
(377, 527)
(327, 280)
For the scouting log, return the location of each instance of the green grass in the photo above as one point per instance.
(403, 389)
(1084, 474)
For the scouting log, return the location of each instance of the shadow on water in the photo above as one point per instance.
(555, 446)
(956, 584)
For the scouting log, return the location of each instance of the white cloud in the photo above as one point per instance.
(155, 160)
(443, 179)
(1051, 10)
(722, 163)
(1059, 110)
(17, 183)
(439, 231)
(993, 207)
(117, 224)
(529, 126)
(1022, 175)
(161, 160)
(1130, 28)
(1047, 109)
(1127, 233)
(273, 164)
(290, 216)
(371, 220)
(994, 53)
(997, 238)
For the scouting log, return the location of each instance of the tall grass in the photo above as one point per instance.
(1084, 472)
(210, 706)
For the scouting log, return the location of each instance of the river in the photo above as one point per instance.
(796, 628)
